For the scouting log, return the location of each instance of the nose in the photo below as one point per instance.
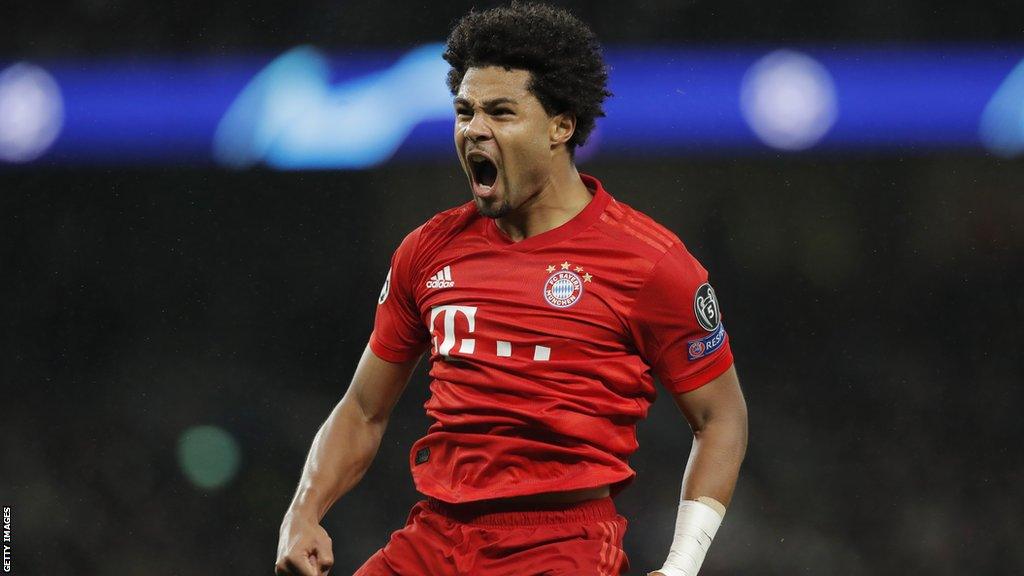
(477, 129)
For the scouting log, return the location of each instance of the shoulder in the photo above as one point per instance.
(434, 234)
(444, 226)
(451, 221)
(637, 233)
(670, 271)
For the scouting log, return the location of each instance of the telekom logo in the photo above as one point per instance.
(448, 342)
(467, 346)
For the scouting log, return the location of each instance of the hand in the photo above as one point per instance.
(304, 548)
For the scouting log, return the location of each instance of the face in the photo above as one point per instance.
(504, 139)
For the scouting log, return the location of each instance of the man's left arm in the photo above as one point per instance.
(717, 414)
(676, 325)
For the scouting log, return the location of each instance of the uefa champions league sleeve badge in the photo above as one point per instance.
(705, 308)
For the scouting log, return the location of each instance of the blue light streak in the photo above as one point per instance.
(305, 109)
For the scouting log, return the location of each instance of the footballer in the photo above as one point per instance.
(546, 307)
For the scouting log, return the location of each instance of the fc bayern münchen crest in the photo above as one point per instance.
(565, 287)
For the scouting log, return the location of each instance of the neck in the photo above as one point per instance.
(561, 197)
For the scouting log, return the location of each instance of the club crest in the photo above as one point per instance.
(564, 287)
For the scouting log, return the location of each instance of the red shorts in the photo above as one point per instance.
(441, 539)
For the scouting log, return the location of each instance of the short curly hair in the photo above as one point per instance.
(561, 53)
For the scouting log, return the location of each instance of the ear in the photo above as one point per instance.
(561, 128)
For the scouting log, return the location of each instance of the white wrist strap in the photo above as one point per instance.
(696, 526)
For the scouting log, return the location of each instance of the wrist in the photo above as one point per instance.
(300, 515)
(696, 526)
(308, 504)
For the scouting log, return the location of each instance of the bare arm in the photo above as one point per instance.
(342, 451)
(717, 414)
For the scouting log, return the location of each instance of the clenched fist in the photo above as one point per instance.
(304, 548)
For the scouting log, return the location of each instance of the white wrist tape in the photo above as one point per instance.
(696, 526)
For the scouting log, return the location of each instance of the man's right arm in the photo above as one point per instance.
(342, 451)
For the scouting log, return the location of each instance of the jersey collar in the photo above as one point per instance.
(580, 222)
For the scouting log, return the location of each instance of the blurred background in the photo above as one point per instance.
(198, 203)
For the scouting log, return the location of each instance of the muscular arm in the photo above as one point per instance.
(342, 451)
(717, 414)
(347, 442)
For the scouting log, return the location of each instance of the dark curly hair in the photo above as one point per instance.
(559, 50)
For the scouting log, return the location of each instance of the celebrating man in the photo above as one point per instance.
(547, 308)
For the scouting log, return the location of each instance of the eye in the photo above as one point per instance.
(502, 112)
(463, 112)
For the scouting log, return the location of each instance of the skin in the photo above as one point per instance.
(537, 189)
(341, 453)
(717, 414)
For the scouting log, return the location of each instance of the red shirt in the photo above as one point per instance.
(542, 350)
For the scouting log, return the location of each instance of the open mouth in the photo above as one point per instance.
(484, 171)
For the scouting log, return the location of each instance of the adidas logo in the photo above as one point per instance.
(442, 279)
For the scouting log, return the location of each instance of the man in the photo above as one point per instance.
(545, 305)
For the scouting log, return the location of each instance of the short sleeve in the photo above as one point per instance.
(677, 325)
(398, 331)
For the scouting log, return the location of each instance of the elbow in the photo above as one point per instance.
(361, 422)
(728, 421)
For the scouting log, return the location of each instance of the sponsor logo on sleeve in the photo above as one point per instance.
(697, 349)
(705, 307)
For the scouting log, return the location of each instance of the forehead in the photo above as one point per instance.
(490, 82)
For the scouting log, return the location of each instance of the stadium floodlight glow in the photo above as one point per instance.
(306, 109)
(290, 117)
(789, 100)
(31, 112)
(1002, 123)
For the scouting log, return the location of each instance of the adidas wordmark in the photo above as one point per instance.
(443, 279)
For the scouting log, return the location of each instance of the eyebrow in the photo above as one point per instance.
(460, 101)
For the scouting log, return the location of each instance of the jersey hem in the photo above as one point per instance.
(526, 488)
(385, 353)
(705, 375)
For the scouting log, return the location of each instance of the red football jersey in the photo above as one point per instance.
(542, 350)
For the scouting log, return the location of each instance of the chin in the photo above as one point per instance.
(492, 210)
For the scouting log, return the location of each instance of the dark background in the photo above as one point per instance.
(874, 304)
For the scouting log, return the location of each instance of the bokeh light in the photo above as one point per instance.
(31, 112)
(789, 100)
(209, 456)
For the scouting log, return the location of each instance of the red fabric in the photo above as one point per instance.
(535, 387)
(438, 540)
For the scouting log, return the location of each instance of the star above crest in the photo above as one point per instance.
(587, 277)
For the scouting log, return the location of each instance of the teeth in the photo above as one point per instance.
(478, 159)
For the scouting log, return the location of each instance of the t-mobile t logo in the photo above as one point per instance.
(448, 341)
(467, 346)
